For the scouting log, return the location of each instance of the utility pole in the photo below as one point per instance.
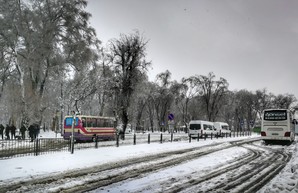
(72, 132)
(74, 113)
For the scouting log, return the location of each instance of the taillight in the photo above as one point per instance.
(263, 133)
(287, 134)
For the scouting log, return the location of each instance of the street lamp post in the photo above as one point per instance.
(72, 132)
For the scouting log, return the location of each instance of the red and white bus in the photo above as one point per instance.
(87, 128)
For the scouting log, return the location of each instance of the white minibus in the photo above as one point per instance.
(199, 128)
(222, 128)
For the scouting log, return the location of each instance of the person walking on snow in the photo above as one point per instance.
(2, 130)
(7, 130)
(23, 131)
(13, 132)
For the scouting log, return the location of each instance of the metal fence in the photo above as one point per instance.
(18, 148)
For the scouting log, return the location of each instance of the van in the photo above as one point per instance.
(199, 128)
(222, 128)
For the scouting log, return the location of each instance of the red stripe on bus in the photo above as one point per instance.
(102, 130)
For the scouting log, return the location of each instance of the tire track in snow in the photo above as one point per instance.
(243, 176)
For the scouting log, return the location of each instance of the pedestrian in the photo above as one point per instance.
(23, 131)
(1, 131)
(7, 130)
(36, 130)
(13, 132)
(31, 132)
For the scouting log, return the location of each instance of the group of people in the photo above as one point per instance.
(9, 132)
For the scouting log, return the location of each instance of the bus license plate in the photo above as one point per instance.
(274, 133)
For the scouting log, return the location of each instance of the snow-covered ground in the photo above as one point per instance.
(24, 168)
(287, 180)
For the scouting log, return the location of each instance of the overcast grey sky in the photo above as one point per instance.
(251, 43)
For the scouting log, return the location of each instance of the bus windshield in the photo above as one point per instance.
(275, 115)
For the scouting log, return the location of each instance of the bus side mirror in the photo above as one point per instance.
(294, 121)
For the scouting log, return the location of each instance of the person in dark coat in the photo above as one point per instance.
(31, 132)
(2, 130)
(13, 132)
(36, 130)
(7, 130)
(23, 131)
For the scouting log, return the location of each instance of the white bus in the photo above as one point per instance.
(198, 127)
(222, 128)
(277, 125)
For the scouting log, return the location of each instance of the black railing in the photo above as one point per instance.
(18, 148)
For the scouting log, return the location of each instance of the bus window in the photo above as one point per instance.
(93, 122)
(88, 122)
(107, 123)
(111, 123)
(104, 123)
(275, 115)
(84, 121)
(99, 122)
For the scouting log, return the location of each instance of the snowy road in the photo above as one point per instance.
(235, 166)
(254, 166)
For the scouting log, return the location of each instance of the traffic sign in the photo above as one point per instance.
(171, 116)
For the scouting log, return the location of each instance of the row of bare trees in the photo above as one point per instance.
(51, 63)
(41, 41)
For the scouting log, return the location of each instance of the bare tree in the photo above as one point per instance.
(139, 103)
(246, 111)
(264, 100)
(150, 104)
(104, 83)
(213, 92)
(184, 92)
(163, 98)
(128, 59)
(284, 101)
